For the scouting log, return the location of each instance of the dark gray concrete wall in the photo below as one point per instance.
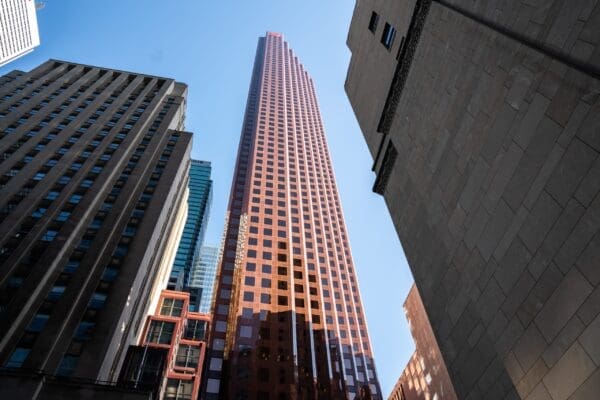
(494, 194)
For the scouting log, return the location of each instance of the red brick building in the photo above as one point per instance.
(425, 376)
(182, 334)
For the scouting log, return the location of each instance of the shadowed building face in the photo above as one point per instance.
(93, 176)
(288, 316)
(483, 121)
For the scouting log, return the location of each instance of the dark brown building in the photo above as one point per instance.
(425, 376)
(288, 322)
(483, 120)
(93, 170)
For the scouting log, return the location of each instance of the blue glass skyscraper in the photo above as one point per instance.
(199, 201)
(202, 276)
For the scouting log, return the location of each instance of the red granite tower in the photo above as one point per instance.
(288, 320)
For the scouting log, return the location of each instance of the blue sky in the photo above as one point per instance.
(210, 46)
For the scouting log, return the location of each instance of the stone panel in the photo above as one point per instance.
(574, 367)
(501, 177)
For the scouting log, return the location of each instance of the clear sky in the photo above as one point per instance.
(210, 46)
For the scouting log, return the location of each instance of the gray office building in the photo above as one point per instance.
(93, 172)
(483, 120)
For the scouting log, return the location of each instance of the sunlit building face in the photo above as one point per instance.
(288, 316)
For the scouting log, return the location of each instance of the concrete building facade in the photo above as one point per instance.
(93, 172)
(19, 33)
(483, 120)
(288, 319)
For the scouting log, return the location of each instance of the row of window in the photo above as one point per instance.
(389, 32)
(111, 271)
(86, 326)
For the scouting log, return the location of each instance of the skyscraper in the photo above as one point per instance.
(288, 318)
(199, 201)
(18, 29)
(202, 277)
(93, 166)
(483, 120)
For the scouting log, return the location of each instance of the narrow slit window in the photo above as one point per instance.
(387, 38)
(373, 21)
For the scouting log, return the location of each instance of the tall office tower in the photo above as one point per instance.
(425, 377)
(483, 119)
(93, 173)
(203, 275)
(199, 201)
(288, 319)
(18, 29)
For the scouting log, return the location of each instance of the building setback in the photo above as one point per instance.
(202, 277)
(483, 120)
(18, 29)
(288, 320)
(425, 377)
(93, 170)
(199, 202)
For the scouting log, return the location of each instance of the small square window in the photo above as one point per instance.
(282, 300)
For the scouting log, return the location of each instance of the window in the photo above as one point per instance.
(49, 235)
(38, 322)
(220, 326)
(74, 199)
(187, 356)
(215, 364)
(178, 389)
(56, 292)
(17, 357)
(63, 216)
(247, 312)
(282, 300)
(160, 332)
(245, 331)
(68, 364)
(171, 307)
(387, 38)
(85, 330)
(212, 386)
(195, 329)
